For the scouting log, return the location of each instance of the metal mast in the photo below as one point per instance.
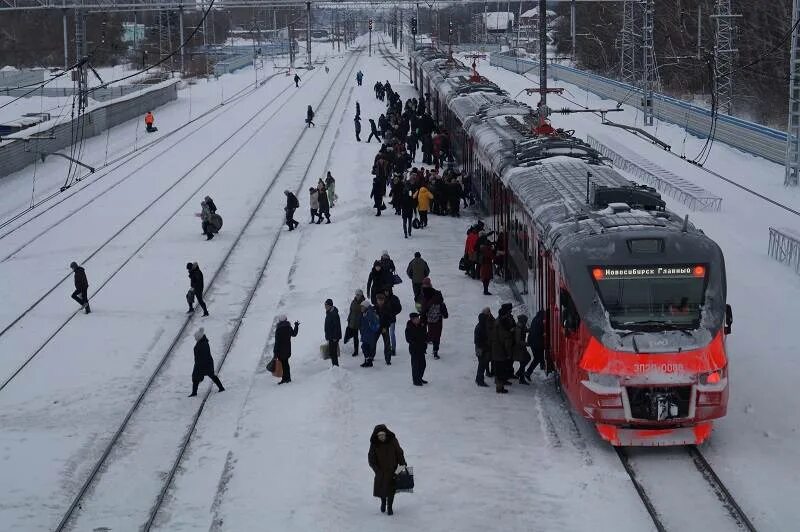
(793, 137)
(543, 54)
(308, 35)
(631, 34)
(82, 59)
(648, 61)
(724, 55)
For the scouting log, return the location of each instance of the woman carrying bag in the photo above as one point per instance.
(385, 455)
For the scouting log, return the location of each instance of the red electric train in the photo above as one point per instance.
(634, 295)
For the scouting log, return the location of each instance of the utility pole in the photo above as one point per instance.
(724, 55)
(401, 30)
(180, 15)
(519, 25)
(630, 36)
(81, 59)
(572, 30)
(648, 68)
(793, 134)
(543, 54)
(308, 35)
(66, 44)
(370, 37)
(338, 37)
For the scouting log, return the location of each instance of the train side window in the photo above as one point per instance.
(569, 314)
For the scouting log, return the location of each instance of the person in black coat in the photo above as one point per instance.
(81, 287)
(310, 117)
(203, 363)
(483, 347)
(377, 192)
(196, 283)
(296, 80)
(536, 343)
(333, 331)
(407, 207)
(411, 144)
(417, 338)
(283, 345)
(357, 122)
(373, 131)
(291, 205)
(377, 281)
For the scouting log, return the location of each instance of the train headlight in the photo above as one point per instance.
(604, 379)
(713, 378)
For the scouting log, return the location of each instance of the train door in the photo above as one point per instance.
(551, 316)
(569, 334)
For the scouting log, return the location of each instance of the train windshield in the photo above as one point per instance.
(652, 297)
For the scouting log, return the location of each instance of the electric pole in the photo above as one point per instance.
(648, 67)
(724, 55)
(308, 35)
(793, 134)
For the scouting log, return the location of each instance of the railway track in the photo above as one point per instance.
(637, 461)
(150, 237)
(297, 161)
(390, 57)
(123, 159)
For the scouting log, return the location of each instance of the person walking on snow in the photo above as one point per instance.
(384, 457)
(209, 219)
(330, 186)
(283, 345)
(359, 77)
(373, 131)
(407, 207)
(370, 327)
(354, 320)
(324, 206)
(417, 338)
(377, 192)
(536, 343)
(310, 117)
(503, 347)
(377, 281)
(149, 121)
(291, 205)
(423, 197)
(196, 284)
(333, 331)
(483, 346)
(486, 267)
(357, 122)
(296, 80)
(203, 363)
(81, 293)
(434, 312)
(417, 271)
(313, 203)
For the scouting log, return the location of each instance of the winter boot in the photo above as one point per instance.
(88, 310)
(501, 390)
(191, 309)
(383, 504)
(481, 383)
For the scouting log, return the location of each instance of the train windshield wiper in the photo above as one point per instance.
(661, 325)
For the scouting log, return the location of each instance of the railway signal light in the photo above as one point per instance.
(370, 24)
(413, 26)
(450, 27)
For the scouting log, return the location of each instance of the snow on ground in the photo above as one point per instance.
(293, 458)
(754, 448)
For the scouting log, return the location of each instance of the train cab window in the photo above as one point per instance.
(570, 320)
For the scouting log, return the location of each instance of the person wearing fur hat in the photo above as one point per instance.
(283, 344)
(203, 363)
(196, 283)
(433, 311)
(370, 327)
(354, 321)
(333, 331)
(417, 338)
(81, 293)
(384, 457)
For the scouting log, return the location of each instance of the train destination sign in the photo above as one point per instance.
(638, 272)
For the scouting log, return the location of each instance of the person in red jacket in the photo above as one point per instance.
(471, 252)
(149, 120)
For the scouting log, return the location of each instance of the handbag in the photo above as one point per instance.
(271, 365)
(462, 264)
(277, 371)
(324, 351)
(415, 223)
(190, 296)
(404, 480)
(396, 279)
(383, 206)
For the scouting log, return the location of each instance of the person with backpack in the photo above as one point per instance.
(370, 327)
(210, 221)
(291, 205)
(203, 363)
(434, 311)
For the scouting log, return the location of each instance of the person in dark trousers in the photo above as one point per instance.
(394, 308)
(373, 131)
(377, 192)
(385, 455)
(417, 338)
(324, 204)
(358, 110)
(536, 343)
(417, 271)
(407, 206)
(296, 80)
(483, 348)
(503, 347)
(196, 283)
(521, 354)
(310, 117)
(313, 203)
(283, 345)
(149, 122)
(291, 205)
(377, 281)
(354, 320)
(370, 327)
(359, 77)
(385, 316)
(486, 258)
(333, 331)
(434, 312)
(357, 122)
(81, 293)
(411, 144)
(203, 363)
